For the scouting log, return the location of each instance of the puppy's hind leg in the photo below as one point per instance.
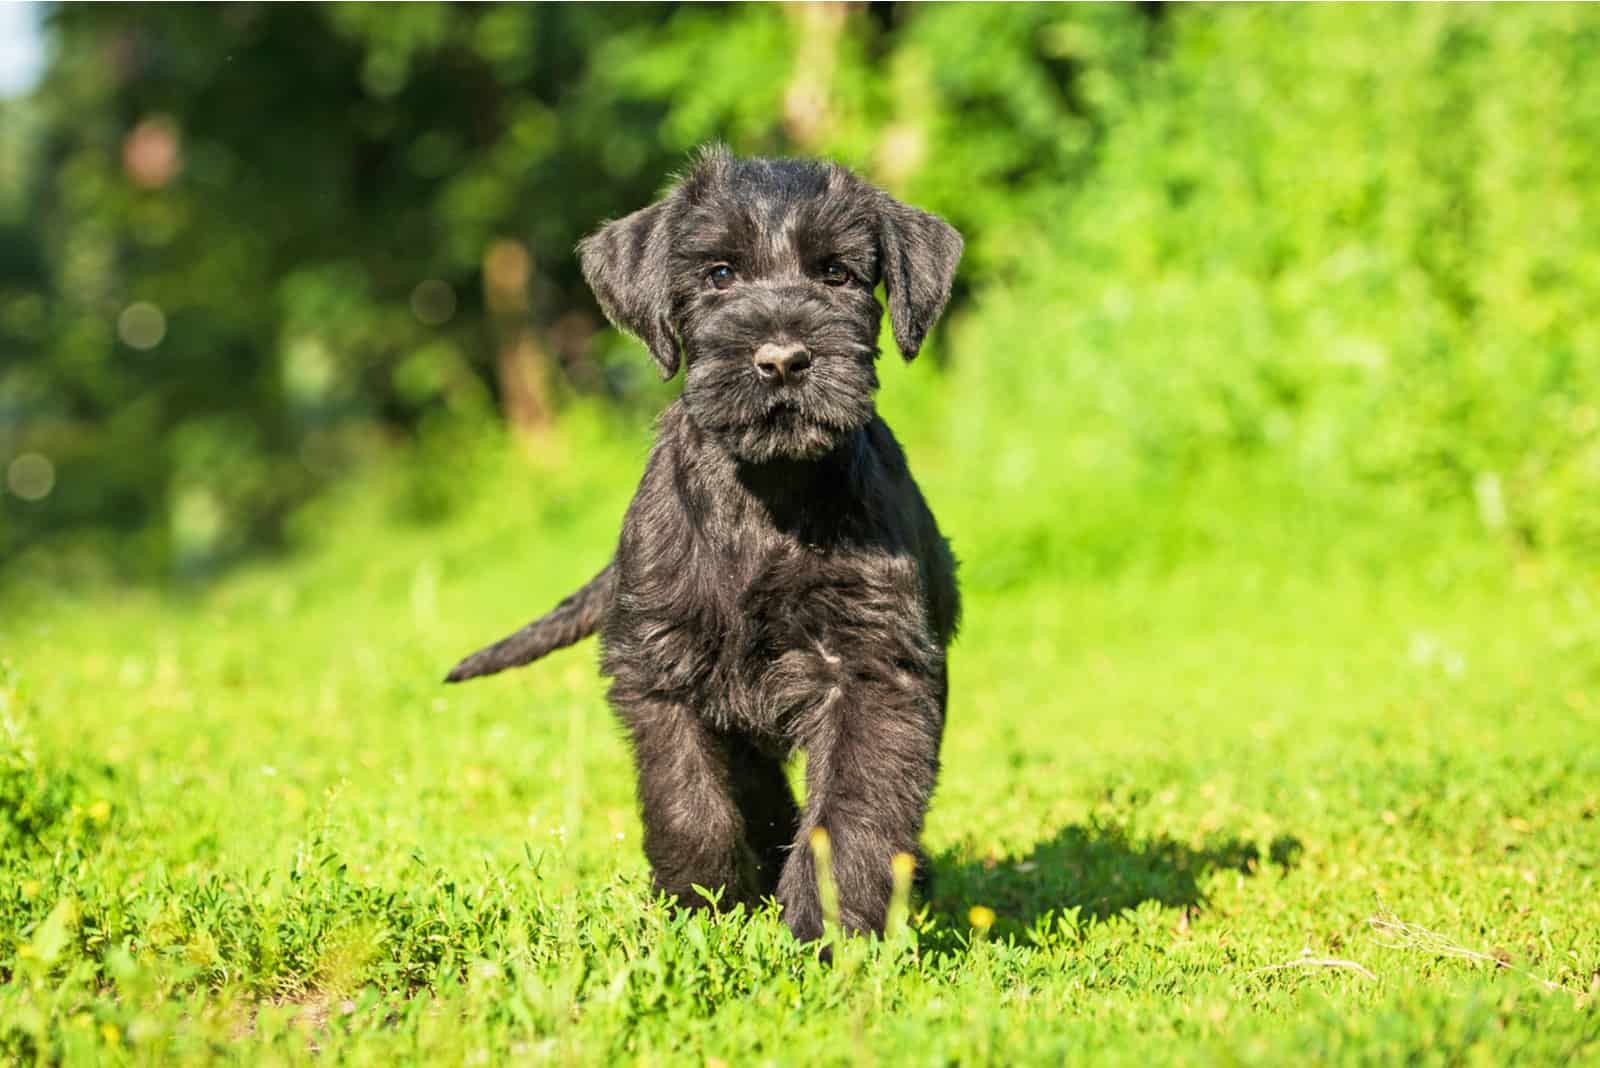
(771, 816)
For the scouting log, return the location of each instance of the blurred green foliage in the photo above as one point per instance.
(1350, 250)
(1340, 257)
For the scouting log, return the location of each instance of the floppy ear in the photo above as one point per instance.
(625, 263)
(919, 253)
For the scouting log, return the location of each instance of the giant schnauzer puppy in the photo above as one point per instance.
(779, 583)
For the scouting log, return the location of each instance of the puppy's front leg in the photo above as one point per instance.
(871, 763)
(693, 831)
(767, 807)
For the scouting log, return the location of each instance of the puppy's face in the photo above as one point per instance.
(763, 273)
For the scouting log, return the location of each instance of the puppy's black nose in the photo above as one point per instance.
(781, 363)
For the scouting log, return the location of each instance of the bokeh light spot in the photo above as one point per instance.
(150, 153)
(142, 325)
(506, 268)
(31, 476)
(433, 302)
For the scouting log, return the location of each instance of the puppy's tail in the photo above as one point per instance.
(570, 621)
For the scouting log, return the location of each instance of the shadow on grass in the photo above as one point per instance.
(1097, 869)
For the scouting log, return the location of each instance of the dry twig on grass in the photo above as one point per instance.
(1306, 960)
(1398, 934)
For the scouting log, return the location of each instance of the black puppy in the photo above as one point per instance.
(780, 583)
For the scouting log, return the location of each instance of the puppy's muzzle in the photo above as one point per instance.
(777, 363)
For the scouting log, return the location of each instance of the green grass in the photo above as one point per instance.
(251, 825)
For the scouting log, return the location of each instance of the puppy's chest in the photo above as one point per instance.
(786, 630)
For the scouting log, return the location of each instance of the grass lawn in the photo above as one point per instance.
(251, 825)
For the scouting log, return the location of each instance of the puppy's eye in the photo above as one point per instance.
(834, 273)
(720, 276)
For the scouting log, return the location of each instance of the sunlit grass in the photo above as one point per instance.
(253, 825)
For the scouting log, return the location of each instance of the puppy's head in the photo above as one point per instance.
(762, 274)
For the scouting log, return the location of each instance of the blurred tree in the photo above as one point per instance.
(260, 234)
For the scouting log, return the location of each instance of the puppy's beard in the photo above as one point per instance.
(784, 432)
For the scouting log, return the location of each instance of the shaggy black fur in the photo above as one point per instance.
(779, 583)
